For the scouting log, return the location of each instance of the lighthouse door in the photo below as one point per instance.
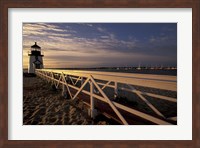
(37, 63)
(37, 66)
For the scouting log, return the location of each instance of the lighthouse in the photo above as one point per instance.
(35, 58)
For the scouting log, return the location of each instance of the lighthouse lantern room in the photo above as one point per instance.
(35, 58)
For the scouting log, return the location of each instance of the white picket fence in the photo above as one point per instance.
(102, 80)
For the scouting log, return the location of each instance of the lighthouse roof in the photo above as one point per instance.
(35, 46)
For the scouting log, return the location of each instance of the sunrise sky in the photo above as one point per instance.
(69, 45)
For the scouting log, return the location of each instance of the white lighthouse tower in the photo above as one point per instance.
(35, 58)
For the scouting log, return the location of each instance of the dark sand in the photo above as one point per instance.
(43, 105)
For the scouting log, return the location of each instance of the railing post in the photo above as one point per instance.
(82, 81)
(52, 78)
(64, 89)
(93, 111)
(115, 90)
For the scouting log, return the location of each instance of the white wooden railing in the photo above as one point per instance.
(98, 81)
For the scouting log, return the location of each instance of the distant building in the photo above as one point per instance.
(35, 58)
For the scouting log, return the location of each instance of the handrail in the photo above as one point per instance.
(146, 80)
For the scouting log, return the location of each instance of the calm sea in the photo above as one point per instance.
(172, 72)
(142, 71)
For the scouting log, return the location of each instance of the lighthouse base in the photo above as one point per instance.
(35, 62)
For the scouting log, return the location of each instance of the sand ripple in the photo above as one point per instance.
(44, 106)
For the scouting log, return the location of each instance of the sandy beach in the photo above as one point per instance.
(43, 105)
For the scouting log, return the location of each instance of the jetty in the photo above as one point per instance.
(93, 86)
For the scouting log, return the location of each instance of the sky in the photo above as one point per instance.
(85, 45)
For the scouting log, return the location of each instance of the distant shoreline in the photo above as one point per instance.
(143, 70)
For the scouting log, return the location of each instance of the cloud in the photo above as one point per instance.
(100, 29)
(158, 39)
(90, 25)
(41, 29)
(105, 37)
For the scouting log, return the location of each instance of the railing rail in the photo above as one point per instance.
(98, 81)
